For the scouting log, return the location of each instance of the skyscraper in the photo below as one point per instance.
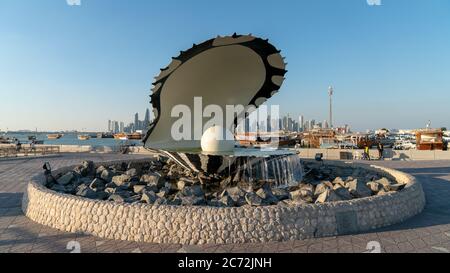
(116, 127)
(136, 122)
(109, 125)
(301, 123)
(146, 118)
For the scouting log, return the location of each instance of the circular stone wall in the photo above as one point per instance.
(214, 225)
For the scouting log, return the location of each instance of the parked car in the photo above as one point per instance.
(405, 145)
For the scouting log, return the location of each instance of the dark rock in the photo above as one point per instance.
(66, 179)
(85, 180)
(85, 191)
(396, 187)
(110, 190)
(101, 195)
(86, 168)
(152, 188)
(349, 178)
(342, 192)
(80, 170)
(280, 194)
(50, 180)
(123, 166)
(89, 165)
(197, 191)
(97, 184)
(189, 180)
(236, 194)
(253, 199)
(123, 193)
(153, 179)
(107, 175)
(358, 189)
(160, 201)
(111, 185)
(163, 192)
(137, 198)
(131, 172)
(328, 196)
(306, 190)
(116, 198)
(225, 183)
(171, 186)
(176, 201)
(99, 170)
(58, 188)
(138, 167)
(267, 196)
(245, 185)
(226, 201)
(149, 197)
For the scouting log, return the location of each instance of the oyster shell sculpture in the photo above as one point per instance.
(231, 70)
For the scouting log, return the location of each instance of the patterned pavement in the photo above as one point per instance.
(427, 232)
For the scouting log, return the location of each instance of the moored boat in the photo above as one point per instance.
(83, 137)
(121, 136)
(54, 136)
(135, 135)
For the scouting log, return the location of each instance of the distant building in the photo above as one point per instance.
(136, 122)
(146, 119)
(116, 127)
(301, 123)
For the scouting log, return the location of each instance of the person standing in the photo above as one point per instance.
(367, 152)
(380, 147)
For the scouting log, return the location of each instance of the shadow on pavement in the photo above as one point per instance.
(10, 200)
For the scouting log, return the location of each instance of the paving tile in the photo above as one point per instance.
(406, 247)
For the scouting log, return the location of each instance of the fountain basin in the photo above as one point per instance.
(215, 225)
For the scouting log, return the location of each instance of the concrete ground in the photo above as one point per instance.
(427, 232)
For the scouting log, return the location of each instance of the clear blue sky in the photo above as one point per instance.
(75, 67)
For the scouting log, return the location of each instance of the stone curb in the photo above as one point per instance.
(213, 225)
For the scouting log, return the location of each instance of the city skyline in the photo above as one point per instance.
(73, 67)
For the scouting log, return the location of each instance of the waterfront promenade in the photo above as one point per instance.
(427, 232)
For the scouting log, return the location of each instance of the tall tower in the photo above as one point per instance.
(136, 122)
(146, 118)
(330, 94)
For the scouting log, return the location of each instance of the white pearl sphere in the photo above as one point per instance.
(217, 139)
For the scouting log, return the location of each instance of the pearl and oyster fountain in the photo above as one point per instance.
(200, 189)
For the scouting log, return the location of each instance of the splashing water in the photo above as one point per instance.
(282, 171)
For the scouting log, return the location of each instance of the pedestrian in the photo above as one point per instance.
(380, 147)
(367, 152)
(18, 145)
(33, 145)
